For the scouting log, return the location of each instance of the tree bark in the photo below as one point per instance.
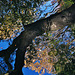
(54, 22)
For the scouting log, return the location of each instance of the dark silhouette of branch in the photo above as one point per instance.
(56, 21)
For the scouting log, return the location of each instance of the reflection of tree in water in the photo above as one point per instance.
(52, 52)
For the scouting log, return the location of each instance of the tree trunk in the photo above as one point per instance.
(54, 22)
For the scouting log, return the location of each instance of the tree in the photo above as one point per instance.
(50, 53)
(66, 17)
(12, 21)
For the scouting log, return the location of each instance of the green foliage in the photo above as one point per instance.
(13, 11)
(69, 69)
(73, 29)
(48, 49)
(25, 11)
(65, 4)
(46, 53)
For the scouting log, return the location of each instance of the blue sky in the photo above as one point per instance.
(27, 71)
(5, 44)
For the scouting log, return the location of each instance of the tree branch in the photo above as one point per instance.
(56, 21)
